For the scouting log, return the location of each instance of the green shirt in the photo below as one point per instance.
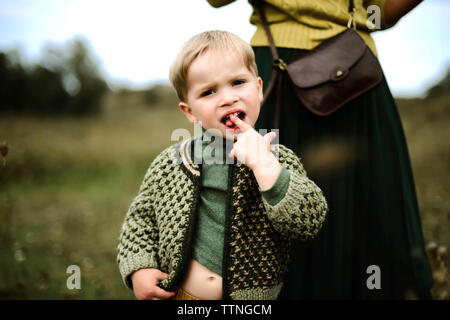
(209, 238)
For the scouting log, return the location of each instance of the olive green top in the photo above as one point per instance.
(305, 24)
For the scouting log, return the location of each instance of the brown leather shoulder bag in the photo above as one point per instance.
(327, 77)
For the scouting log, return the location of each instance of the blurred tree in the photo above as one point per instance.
(82, 80)
(67, 81)
(4, 80)
(161, 94)
(46, 92)
(13, 83)
(441, 87)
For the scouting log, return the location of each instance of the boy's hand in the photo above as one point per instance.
(145, 285)
(253, 150)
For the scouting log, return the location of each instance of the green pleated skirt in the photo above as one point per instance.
(371, 245)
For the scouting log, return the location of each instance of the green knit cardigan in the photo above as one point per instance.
(160, 224)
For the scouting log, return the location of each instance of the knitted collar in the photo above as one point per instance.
(205, 149)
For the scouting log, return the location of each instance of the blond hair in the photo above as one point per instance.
(215, 40)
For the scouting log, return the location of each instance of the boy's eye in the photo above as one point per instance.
(238, 82)
(207, 92)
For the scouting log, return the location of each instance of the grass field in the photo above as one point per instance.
(63, 196)
(68, 183)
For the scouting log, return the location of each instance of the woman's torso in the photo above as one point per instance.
(304, 24)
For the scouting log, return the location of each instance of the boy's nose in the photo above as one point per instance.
(228, 98)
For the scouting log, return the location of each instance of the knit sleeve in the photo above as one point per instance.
(277, 192)
(302, 211)
(139, 234)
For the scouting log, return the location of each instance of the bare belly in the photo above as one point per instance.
(202, 282)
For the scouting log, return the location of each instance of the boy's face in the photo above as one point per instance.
(219, 84)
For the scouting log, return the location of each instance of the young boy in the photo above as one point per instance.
(202, 230)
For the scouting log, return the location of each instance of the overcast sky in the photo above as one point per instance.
(136, 40)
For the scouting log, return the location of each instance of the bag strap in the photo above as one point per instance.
(273, 49)
(278, 65)
(351, 6)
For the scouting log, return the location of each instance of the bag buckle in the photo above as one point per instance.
(338, 74)
(351, 19)
(279, 63)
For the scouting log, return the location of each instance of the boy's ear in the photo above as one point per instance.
(187, 111)
(260, 89)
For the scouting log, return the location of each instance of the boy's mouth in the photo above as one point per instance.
(230, 124)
